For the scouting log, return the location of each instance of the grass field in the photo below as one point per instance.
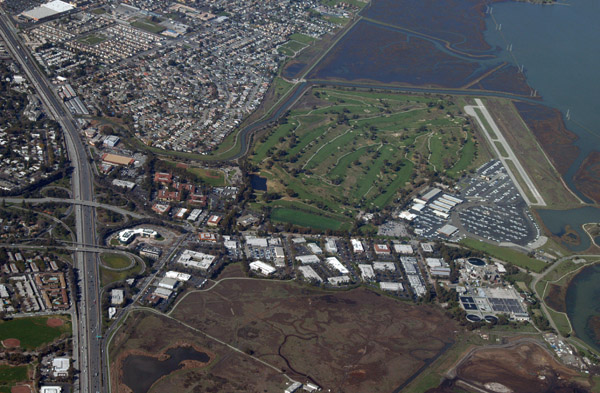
(211, 177)
(344, 151)
(148, 26)
(304, 219)
(92, 39)
(110, 276)
(116, 261)
(9, 375)
(32, 332)
(506, 254)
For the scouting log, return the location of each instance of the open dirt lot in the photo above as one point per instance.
(522, 367)
(228, 371)
(352, 341)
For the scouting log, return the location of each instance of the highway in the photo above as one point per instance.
(87, 340)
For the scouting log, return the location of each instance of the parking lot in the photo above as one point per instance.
(496, 211)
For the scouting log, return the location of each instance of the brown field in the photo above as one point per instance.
(556, 297)
(228, 371)
(55, 322)
(548, 127)
(532, 157)
(20, 389)
(352, 341)
(11, 343)
(522, 367)
(587, 177)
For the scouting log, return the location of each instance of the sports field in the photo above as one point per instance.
(343, 151)
(33, 332)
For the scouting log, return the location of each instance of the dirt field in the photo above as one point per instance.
(587, 177)
(20, 389)
(11, 343)
(556, 297)
(150, 334)
(524, 144)
(353, 341)
(522, 367)
(55, 322)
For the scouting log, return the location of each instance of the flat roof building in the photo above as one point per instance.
(262, 268)
(404, 249)
(391, 286)
(183, 277)
(366, 272)
(357, 246)
(308, 259)
(168, 283)
(382, 266)
(197, 260)
(334, 263)
(339, 280)
(309, 273)
(115, 159)
(117, 297)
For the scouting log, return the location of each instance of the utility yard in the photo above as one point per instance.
(343, 151)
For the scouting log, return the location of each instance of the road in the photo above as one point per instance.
(116, 209)
(89, 360)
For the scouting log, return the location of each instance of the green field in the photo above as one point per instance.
(110, 276)
(211, 177)
(10, 375)
(115, 261)
(33, 332)
(506, 254)
(342, 151)
(148, 26)
(304, 219)
(92, 39)
(303, 38)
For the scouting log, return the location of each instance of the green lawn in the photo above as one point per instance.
(116, 261)
(211, 177)
(506, 254)
(305, 39)
(561, 321)
(92, 39)
(303, 219)
(10, 375)
(33, 332)
(110, 276)
(148, 26)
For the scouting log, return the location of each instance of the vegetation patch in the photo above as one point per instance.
(149, 26)
(344, 151)
(32, 332)
(212, 177)
(9, 375)
(506, 254)
(303, 219)
(115, 261)
(110, 276)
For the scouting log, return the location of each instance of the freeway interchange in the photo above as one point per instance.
(87, 339)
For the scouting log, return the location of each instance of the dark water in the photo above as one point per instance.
(141, 372)
(557, 220)
(258, 183)
(292, 70)
(582, 303)
(558, 47)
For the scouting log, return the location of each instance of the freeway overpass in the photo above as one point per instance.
(89, 361)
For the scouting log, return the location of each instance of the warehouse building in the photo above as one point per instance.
(262, 268)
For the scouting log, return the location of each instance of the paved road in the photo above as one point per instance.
(75, 202)
(498, 137)
(87, 319)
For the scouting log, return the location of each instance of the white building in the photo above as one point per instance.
(50, 389)
(257, 241)
(330, 246)
(382, 266)
(117, 297)
(309, 273)
(262, 268)
(391, 286)
(338, 280)
(127, 235)
(183, 277)
(334, 263)
(168, 283)
(357, 246)
(163, 293)
(366, 272)
(60, 367)
(307, 259)
(194, 215)
(197, 260)
(403, 249)
(314, 248)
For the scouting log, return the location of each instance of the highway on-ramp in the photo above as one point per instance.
(88, 339)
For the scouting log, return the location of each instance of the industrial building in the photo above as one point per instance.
(197, 260)
(262, 268)
(127, 235)
(117, 297)
(334, 263)
(391, 286)
(168, 283)
(48, 10)
(339, 280)
(309, 273)
(366, 272)
(308, 259)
